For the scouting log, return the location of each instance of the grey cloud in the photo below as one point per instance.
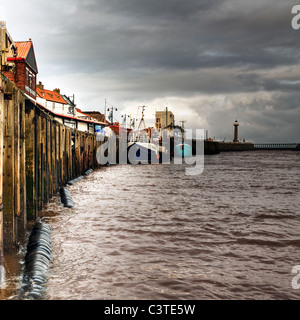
(132, 49)
(262, 119)
(175, 35)
(157, 9)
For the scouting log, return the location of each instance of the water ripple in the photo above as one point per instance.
(150, 232)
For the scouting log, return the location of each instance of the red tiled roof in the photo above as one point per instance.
(81, 115)
(117, 129)
(23, 48)
(70, 117)
(50, 95)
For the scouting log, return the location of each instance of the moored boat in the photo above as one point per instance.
(182, 150)
(142, 152)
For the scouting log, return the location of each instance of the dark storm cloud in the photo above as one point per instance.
(154, 11)
(168, 34)
(146, 50)
(262, 118)
(192, 35)
(174, 35)
(278, 118)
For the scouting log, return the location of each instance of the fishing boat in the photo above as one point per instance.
(118, 130)
(140, 152)
(140, 149)
(182, 150)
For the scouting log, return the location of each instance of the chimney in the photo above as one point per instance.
(40, 86)
(57, 90)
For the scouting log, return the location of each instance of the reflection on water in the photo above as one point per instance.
(151, 232)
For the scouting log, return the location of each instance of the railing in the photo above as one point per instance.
(275, 146)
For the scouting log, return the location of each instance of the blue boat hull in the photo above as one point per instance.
(183, 150)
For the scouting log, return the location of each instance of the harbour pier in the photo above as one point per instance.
(45, 141)
(277, 146)
(38, 155)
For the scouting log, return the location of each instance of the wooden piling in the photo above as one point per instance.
(13, 166)
(30, 160)
(1, 167)
(38, 155)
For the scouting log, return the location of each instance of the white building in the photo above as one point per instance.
(64, 110)
(52, 100)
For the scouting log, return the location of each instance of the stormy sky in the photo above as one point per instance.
(209, 61)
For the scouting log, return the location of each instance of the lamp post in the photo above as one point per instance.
(133, 123)
(112, 113)
(124, 116)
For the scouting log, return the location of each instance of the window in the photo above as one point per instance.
(30, 79)
(33, 82)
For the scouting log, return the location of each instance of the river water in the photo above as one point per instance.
(152, 232)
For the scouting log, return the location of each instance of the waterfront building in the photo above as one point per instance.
(71, 103)
(96, 115)
(86, 122)
(52, 100)
(18, 63)
(64, 111)
(164, 119)
(6, 44)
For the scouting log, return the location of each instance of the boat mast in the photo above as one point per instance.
(142, 119)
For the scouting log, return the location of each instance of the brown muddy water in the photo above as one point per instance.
(152, 232)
